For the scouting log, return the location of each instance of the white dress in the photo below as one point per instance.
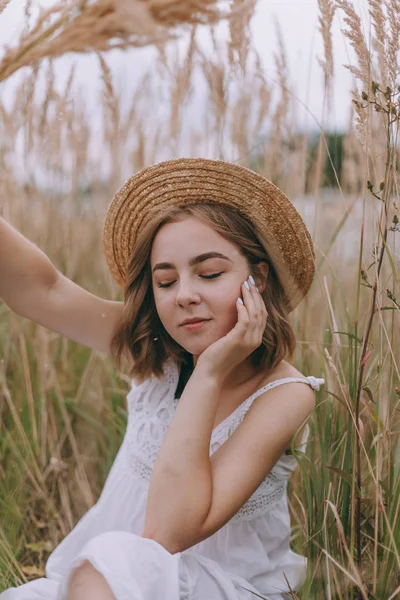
(250, 553)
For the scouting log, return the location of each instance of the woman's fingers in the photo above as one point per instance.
(253, 303)
(261, 313)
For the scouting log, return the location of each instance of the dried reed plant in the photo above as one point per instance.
(240, 33)
(240, 53)
(76, 26)
(280, 122)
(112, 121)
(216, 74)
(379, 41)
(354, 33)
(178, 76)
(326, 13)
(377, 113)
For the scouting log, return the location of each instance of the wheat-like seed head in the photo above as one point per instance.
(379, 41)
(239, 30)
(327, 12)
(180, 87)
(264, 95)
(363, 72)
(279, 122)
(216, 75)
(355, 34)
(76, 26)
(393, 10)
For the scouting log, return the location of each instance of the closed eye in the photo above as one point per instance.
(213, 276)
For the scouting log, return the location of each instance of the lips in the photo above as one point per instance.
(194, 321)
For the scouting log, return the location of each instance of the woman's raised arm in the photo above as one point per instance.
(32, 287)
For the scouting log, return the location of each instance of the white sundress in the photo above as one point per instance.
(249, 555)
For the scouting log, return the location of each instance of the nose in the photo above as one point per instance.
(186, 293)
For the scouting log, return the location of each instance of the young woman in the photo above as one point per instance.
(212, 257)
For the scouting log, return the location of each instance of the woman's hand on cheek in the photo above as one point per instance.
(224, 355)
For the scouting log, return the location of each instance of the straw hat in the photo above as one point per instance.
(186, 180)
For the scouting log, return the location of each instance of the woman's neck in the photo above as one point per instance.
(244, 376)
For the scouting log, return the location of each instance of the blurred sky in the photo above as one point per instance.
(299, 24)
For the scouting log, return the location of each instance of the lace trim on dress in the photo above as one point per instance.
(266, 495)
(151, 408)
(150, 412)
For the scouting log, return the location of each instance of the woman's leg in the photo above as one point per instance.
(88, 584)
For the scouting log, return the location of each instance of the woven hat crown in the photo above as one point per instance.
(186, 180)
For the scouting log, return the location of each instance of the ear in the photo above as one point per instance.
(262, 275)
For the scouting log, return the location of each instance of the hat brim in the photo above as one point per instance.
(186, 180)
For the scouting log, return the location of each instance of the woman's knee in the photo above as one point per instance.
(86, 583)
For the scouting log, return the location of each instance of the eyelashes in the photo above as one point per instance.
(213, 276)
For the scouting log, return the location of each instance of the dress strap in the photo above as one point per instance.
(233, 420)
(314, 382)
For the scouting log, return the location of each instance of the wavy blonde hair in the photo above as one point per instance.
(140, 324)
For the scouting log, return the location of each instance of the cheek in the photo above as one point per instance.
(163, 306)
(225, 308)
(227, 298)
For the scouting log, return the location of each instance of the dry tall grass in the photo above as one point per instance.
(76, 26)
(62, 407)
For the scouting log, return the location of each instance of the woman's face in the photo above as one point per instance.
(191, 293)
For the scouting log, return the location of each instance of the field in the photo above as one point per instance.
(62, 406)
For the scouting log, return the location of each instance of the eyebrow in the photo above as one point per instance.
(193, 261)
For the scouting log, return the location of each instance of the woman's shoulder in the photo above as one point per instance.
(282, 371)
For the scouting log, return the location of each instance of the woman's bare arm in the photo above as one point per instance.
(32, 287)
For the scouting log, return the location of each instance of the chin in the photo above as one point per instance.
(195, 349)
(198, 346)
